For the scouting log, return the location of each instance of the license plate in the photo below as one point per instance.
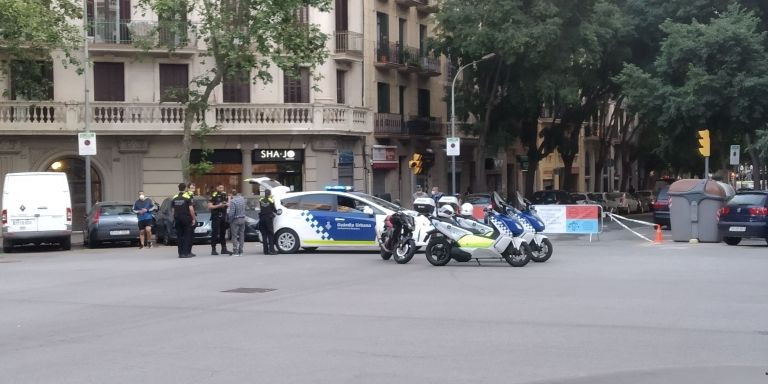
(120, 232)
(738, 229)
(200, 230)
(22, 222)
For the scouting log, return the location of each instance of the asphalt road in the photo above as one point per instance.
(617, 310)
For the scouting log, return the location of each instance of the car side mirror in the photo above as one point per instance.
(279, 212)
(368, 211)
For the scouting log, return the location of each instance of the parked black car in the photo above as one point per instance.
(111, 222)
(554, 196)
(165, 231)
(745, 216)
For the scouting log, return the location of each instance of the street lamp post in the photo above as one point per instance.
(87, 106)
(453, 116)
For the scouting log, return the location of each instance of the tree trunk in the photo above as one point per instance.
(481, 184)
(530, 176)
(186, 144)
(567, 174)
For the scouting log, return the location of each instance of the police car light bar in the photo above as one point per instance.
(339, 188)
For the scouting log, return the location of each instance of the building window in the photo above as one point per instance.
(382, 29)
(342, 15)
(424, 103)
(383, 97)
(108, 82)
(340, 83)
(402, 31)
(237, 88)
(422, 40)
(31, 80)
(346, 168)
(302, 14)
(174, 82)
(296, 89)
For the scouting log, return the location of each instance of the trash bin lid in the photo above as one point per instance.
(698, 187)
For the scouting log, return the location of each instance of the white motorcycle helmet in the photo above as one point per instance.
(446, 211)
(467, 209)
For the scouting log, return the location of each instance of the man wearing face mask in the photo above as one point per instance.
(143, 208)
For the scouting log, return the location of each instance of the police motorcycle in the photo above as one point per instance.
(540, 244)
(397, 237)
(450, 241)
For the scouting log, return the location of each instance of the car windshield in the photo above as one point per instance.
(378, 201)
(477, 199)
(114, 210)
(663, 194)
(595, 196)
(579, 196)
(201, 205)
(748, 199)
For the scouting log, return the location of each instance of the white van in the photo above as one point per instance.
(36, 209)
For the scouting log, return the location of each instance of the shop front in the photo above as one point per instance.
(283, 165)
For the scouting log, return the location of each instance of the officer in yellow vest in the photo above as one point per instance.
(217, 203)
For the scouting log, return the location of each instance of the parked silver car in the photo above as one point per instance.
(111, 222)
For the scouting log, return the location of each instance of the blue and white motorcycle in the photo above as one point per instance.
(540, 244)
(448, 240)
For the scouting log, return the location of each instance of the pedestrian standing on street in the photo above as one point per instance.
(236, 215)
(267, 213)
(436, 194)
(143, 208)
(184, 220)
(218, 206)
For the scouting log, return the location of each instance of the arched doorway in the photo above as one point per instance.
(74, 167)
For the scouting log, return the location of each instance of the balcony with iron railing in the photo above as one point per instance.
(394, 125)
(348, 46)
(132, 35)
(410, 3)
(427, 6)
(406, 59)
(18, 117)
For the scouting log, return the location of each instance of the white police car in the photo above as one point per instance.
(335, 217)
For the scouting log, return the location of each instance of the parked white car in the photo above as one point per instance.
(622, 202)
(335, 217)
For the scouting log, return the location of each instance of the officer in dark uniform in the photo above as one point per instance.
(184, 220)
(267, 212)
(218, 206)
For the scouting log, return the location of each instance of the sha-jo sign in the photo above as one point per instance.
(277, 155)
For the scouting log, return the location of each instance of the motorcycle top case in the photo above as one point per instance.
(424, 206)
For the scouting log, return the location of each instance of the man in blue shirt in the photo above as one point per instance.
(143, 207)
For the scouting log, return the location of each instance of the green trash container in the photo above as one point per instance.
(693, 206)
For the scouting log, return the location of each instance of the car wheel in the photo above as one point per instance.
(287, 241)
(732, 240)
(92, 243)
(66, 243)
(7, 246)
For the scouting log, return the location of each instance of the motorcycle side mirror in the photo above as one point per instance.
(368, 211)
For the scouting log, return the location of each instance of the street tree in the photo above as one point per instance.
(707, 75)
(32, 32)
(240, 39)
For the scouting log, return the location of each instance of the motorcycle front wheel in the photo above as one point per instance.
(518, 257)
(543, 253)
(438, 252)
(404, 251)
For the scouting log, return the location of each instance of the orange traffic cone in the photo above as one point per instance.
(659, 236)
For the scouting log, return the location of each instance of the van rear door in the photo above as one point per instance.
(37, 202)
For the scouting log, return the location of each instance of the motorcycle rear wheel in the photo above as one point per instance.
(438, 252)
(518, 257)
(405, 251)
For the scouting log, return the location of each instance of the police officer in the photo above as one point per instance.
(267, 212)
(184, 220)
(218, 206)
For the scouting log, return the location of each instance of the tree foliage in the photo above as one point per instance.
(240, 37)
(30, 32)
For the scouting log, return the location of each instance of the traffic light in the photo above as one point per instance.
(704, 142)
(416, 164)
